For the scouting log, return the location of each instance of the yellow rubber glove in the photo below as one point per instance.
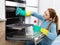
(44, 31)
(28, 13)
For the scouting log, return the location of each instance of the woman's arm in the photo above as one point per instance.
(53, 34)
(37, 16)
(21, 12)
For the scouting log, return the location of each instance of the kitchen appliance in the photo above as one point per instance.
(15, 25)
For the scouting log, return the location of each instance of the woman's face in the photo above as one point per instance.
(46, 15)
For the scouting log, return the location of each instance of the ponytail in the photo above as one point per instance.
(56, 22)
(54, 17)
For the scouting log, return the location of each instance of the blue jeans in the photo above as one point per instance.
(31, 43)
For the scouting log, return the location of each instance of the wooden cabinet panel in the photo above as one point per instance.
(2, 37)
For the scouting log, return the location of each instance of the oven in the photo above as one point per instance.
(15, 25)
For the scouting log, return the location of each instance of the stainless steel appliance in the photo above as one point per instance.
(15, 25)
(20, 1)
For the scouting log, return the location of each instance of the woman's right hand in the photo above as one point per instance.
(21, 12)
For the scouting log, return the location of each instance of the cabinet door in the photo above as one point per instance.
(31, 20)
(32, 3)
(2, 9)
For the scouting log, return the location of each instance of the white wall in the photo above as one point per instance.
(45, 4)
(57, 8)
(2, 9)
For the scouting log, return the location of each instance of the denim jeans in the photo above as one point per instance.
(31, 43)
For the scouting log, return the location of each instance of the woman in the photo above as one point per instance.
(48, 17)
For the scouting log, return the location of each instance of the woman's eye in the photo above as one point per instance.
(46, 14)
